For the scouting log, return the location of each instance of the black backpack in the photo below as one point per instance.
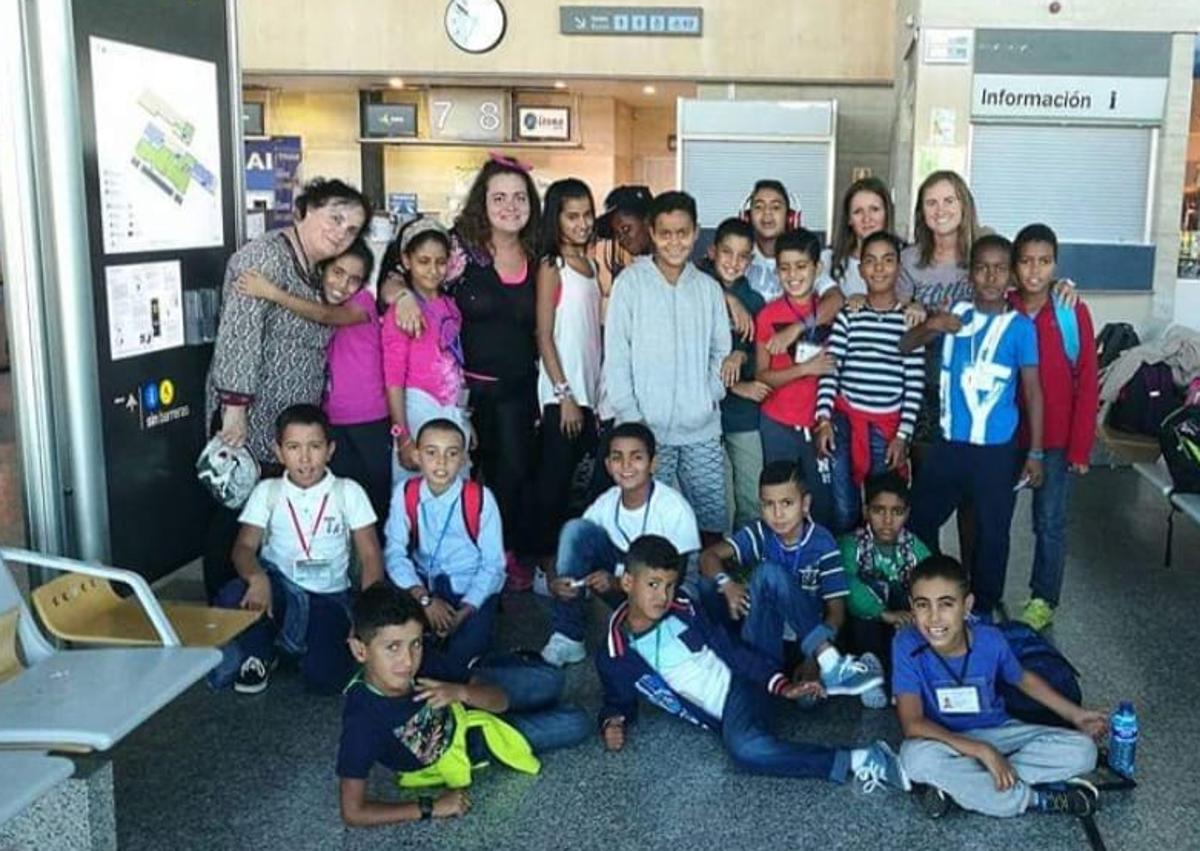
(1114, 338)
(1146, 400)
(1179, 438)
(1035, 653)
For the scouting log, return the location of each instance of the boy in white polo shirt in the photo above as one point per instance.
(591, 549)
(293, 561)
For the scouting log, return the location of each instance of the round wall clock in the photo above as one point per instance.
(475, 26)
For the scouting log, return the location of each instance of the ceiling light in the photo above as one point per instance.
(648, 90)
(559, 84)
(396, 83)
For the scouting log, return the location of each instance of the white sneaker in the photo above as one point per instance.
(560, 650)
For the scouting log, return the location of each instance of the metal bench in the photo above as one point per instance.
(84, 700)
(1187, 503)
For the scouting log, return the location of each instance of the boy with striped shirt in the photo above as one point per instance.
(866, 409)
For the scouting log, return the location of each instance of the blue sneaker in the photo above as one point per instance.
(881, 768)
(875, 698)
(851, 676)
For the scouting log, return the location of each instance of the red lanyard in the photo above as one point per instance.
(304, 544)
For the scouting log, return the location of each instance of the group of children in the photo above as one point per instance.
(748, 387)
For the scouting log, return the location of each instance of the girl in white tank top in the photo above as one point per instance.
(569, 345)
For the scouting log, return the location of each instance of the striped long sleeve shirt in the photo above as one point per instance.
(872, 373)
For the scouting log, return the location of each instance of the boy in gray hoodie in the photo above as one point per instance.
(666, 338)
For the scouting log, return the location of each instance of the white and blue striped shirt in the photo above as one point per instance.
(872, 373)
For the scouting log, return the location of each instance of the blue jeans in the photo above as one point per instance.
(1050, 527)
(325, 662)
(954, 473)
(582, 548)
(745, 730)
(534, 690)
(776, 598)
(471, 639)
(787, 443)
(847, 496)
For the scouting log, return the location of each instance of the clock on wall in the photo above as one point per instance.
(475, 26)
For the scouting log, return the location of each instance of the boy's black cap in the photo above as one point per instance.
(623, 199)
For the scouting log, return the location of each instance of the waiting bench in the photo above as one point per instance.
(1187, 503)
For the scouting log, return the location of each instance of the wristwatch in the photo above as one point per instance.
(425, 802)
(425, 600)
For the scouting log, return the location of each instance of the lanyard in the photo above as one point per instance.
(442, 536)
(809, 322)
(645, 516)
(801, 542)
(960, 678)
(304, 543)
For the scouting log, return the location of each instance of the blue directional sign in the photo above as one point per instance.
(631, 20)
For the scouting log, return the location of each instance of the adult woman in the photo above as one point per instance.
(866, 209)
(267, 357)
(492, 279)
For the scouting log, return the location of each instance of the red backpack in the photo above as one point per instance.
(471, 504)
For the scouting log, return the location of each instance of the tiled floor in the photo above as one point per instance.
(222, 771)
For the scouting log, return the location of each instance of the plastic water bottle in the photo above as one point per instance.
(1123, 738)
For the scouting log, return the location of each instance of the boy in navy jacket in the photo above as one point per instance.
(661, 647)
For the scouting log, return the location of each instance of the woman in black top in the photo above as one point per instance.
(491, 277)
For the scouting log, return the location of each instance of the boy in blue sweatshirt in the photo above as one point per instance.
(662, 647)
(453, 562)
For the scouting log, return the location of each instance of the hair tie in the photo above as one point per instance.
(509, 162)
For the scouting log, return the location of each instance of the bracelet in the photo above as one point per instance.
(398, 430)
(425, 802)
(1037, 454)
(562, 391)
(722, 579)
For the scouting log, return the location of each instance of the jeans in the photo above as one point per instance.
(582, 548)
(364, 454)
(953, 472)
(776, 598)
(743, 466)
(560, 456)
(471, 639)
(325, 662)
(504, 416)
(534, 690)
(1050, 527)
(847, 496)
(745, 730)
(787, 443)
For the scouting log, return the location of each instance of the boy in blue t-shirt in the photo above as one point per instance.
(958, 738)
(431, 720)
(787, 574)
(986, 349)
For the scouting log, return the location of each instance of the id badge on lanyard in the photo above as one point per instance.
(310, 569)
(960, 699)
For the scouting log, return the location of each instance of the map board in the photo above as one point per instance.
(158, 145)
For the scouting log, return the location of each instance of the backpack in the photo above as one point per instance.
(471, 504)
(1146, 400)
(1114, 338)
(1179, 438)
(1035, 653)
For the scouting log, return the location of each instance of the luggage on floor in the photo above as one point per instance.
(1035, 653)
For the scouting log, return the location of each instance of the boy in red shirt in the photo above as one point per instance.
(790, 358)
(1068, 373)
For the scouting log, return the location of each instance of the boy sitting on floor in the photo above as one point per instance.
(433, 721)
(958, 738)
(789, 574)
(592, 548)
(451, 560)
(292, 556)
(878, 560)
(662, 647)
